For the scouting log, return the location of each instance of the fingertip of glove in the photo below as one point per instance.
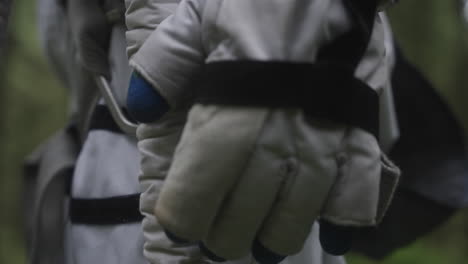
(265, 256)
(175, 238)
(335, 240)
(212, 256)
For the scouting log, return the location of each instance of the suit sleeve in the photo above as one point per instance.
(173, 54)
(142, 17)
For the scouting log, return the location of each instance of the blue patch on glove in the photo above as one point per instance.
(144, 103)
(335, 240)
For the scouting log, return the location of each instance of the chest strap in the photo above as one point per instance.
(105, 211)
(102, 119)
(321, 90)
(326, 89)
(110, 210)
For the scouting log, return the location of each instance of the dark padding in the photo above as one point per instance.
(431, 154)
(212, 256)
(349, 48)
(105, 211)
(409, 217)
(175, 238)
(265, 256)
(431, 150)
(102, 119)
(326, 89)
(335, 240)
(323, 90)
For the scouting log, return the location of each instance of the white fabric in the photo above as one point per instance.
(389, 130)
(107, 166)
(160, 250)
(56, 40)
(244, 172)
(157, 142)
(207, 31)
(142, 17)
(157, 148)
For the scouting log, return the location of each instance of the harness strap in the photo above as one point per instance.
(317, 89)
(105, 211)
(325, 89)
(111, 210)
(349, 48)
(101, 119)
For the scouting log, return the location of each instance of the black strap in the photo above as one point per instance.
(338, 96)
(327, 91)
(106, 211)
(102, 120)
(349, 48)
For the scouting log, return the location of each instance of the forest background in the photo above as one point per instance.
(432, 33)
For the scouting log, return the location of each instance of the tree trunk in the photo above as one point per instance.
(5, 6)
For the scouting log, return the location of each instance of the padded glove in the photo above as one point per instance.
(255, 180)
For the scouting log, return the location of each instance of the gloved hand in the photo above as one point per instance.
(91, 31)
(252, 179)
(255, 179)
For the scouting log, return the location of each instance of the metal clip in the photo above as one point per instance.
(120, 118)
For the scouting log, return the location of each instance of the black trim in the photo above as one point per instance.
(323, 90)
(106, 211)
(349, 48)
(102, 120)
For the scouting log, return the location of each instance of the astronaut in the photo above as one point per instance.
(76, 62)
(105, 174)
(83, 39)
(281, 130)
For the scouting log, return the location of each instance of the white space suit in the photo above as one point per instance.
(107, 166)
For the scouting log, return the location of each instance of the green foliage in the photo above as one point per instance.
(446, 245)
(434, 36)
(411, 255)
(32, 105)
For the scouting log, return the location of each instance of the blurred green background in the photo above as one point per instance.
(33, 106)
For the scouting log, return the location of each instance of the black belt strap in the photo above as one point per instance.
(101, 119)
(349, 48)
(326, 89)
(105, 211)
(322, 90)
(338, 96)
